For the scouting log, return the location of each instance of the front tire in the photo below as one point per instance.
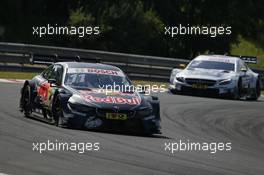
(57, 111)
(256, 92)
(174, 91)
(238, 91)
(27, 101)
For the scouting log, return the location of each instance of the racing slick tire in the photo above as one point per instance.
(57, 111)
(256, 92)
(238, 91)
(174, 91)
(27, 101)
(148, 131)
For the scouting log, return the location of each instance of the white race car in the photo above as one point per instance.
(217, 75)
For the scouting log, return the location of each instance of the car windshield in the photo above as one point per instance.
(204, 64)
(95, 78)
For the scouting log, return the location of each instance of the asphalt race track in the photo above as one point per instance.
(196, 119)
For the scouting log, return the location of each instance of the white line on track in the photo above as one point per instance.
(3, 174)
(17, 81)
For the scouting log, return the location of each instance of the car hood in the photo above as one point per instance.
(111, 100)
(211, 74)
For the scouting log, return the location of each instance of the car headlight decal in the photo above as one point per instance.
(81, 108)
(225, 82)
(144, 112)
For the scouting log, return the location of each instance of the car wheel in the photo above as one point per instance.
(238, 91)
(27, 101)
(256, 92)
(57, 112)
(258, 89)
(174, 91)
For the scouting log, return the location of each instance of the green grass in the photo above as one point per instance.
(17, 75)
(248, 48)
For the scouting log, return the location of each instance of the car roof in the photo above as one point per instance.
(218, 58)
(88, 65)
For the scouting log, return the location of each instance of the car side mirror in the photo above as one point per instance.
(52, 82)
(182, 66)
(243, 69)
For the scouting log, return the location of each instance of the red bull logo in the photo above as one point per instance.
(113, 100)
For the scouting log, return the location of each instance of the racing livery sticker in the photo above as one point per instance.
(217, 59)
(113, 100)
(96, 71)
(44, 91)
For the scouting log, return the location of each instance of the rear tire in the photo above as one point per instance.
(27, 101)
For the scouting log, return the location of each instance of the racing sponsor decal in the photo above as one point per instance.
(44, 91)
(219, 59)
(96, 71)
(113, 100)
(116, 116)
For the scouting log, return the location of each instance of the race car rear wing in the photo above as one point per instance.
(247, 59)
(50, 59)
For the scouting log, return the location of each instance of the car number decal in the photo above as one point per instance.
(199, 86)
(116, 116)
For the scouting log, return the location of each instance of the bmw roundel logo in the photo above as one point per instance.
(116, 108)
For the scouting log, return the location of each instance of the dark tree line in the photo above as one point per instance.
(134, 26)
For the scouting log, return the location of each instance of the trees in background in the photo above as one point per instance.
(135, 26)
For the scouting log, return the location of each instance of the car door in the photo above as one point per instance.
(51, 80)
